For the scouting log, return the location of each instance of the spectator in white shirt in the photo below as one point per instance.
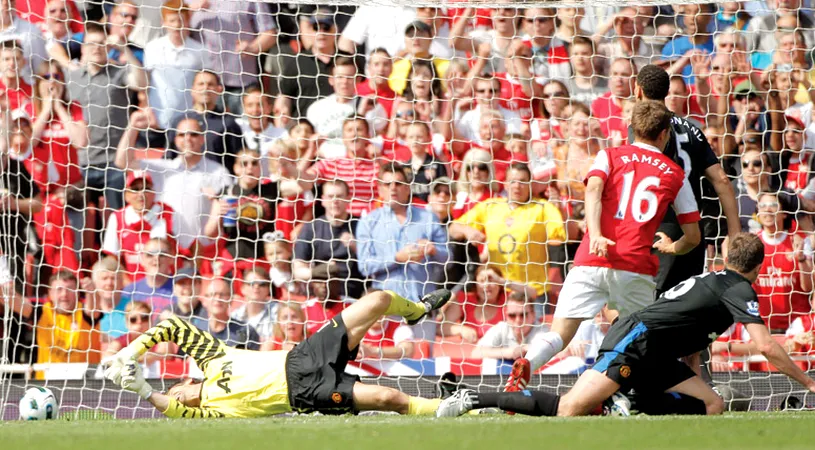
(487, 97)
(173, 61)
(376, 26)
(259, 309)
(13, 28)
(509, 338)
(187, 183)
(328, 114)
(257, 124)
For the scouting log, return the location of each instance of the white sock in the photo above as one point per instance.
(543, 349)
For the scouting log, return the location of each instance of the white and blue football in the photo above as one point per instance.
(39, 403)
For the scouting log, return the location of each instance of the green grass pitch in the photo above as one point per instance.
(732, 431)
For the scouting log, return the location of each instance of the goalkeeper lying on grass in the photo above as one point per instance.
(311, 377)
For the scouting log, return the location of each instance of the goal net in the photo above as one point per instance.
(255, 168)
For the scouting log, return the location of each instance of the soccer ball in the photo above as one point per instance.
(39, 403)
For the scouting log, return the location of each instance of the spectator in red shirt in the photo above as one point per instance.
(12, 85)
(56, 233)
(609, 108)
(550, 58)
(476, 181)
(289, 328)
(357, 168)
(59, 125)
(518, 84)
(784, 285)
(143, 218)
(38, 11)
(387, 339)
(394, 147)
(474, 312)
(379, 68)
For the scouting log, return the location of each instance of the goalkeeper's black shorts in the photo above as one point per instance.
(315, 372)
(627, 358)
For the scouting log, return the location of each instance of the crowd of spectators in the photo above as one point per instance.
(255, 167)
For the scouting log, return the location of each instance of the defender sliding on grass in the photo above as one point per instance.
(311, 377)
(642, 351)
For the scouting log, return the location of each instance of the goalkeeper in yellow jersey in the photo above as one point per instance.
(311, 377)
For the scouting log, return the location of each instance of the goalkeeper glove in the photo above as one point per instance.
(133, 380)
(114, 365)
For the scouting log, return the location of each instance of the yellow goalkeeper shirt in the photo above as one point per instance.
(237, 383)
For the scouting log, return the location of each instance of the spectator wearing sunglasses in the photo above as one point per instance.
(143, 218)
(755, 178)
(241, 214)
(549, 56)
(487, 97)
(784, 284)
(259, 309)
(138, 320)
(186, 183)
(59, 125)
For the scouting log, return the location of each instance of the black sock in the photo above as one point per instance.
(668, 403)
(530, 403)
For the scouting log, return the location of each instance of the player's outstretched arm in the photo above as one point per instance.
(200, 345)
(777, 356)
(690, 239)
(130, 378)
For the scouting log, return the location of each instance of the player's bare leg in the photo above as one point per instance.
(360, 316)
(697, 388)
(369, 397)
(553, 342)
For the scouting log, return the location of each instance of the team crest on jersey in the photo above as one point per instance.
(752, 308)
(625, 371)
(509, 222)
(336, 397)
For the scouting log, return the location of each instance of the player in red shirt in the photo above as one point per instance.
(628, 192)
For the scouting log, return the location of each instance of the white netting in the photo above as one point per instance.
(222, 163)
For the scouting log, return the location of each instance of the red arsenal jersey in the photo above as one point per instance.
(780, 296)
(640, 184)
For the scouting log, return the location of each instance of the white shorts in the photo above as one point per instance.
(587, 289)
